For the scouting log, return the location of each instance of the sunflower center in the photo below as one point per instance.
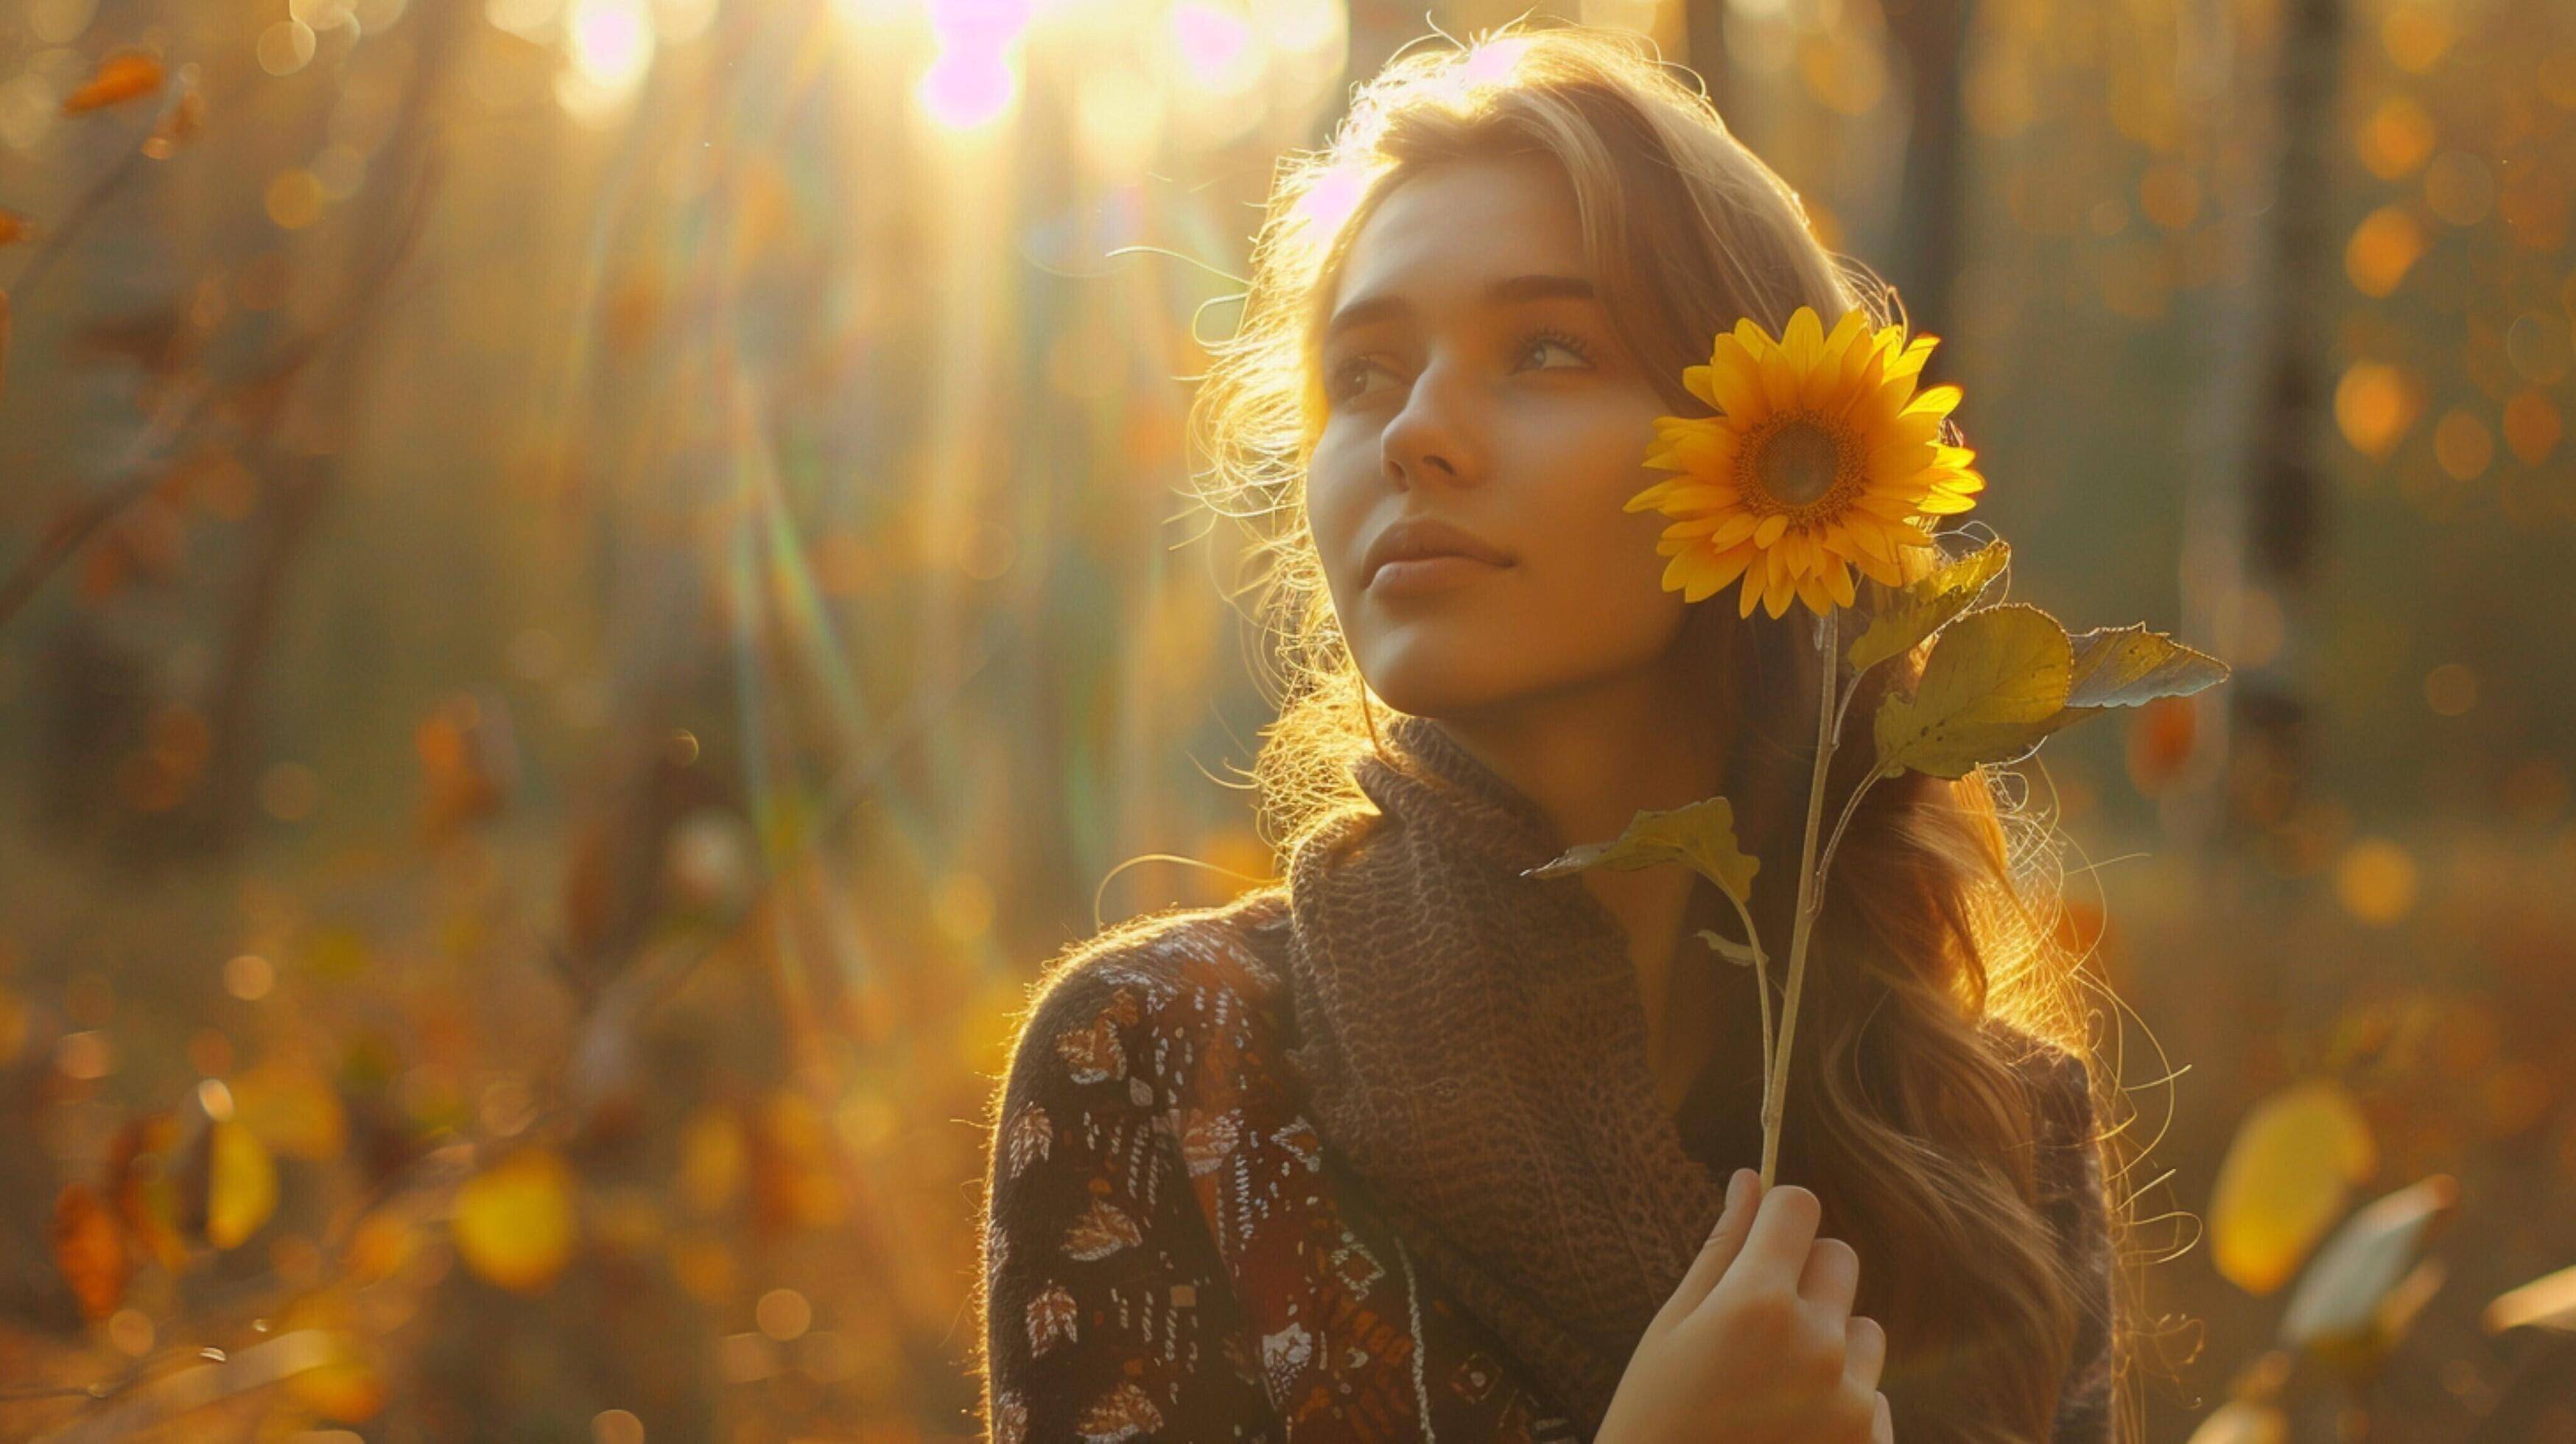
(1798, 463)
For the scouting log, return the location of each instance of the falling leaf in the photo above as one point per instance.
(144, 1198)
(712, 1158)
(2543, 1303)
(292, 1108)
(514, 1222)
(466, 764)
(1924, 605)
(383, 1242)
(89, 1251)
(2364, 1284)
(241, 1183)
(119, 78)
(2243, 1422)
(1700, 835)
(1994, 686)
(177, 127)
(2284, 1181)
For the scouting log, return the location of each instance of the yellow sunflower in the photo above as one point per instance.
(1820, 460)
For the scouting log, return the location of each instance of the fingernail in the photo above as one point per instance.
(1735, 1187)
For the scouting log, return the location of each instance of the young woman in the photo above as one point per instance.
(1411, 1146)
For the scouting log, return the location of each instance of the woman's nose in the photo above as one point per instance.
(1434, 436)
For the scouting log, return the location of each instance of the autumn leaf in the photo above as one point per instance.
(241, 1183)
(2243, 1422)
(2366, 1285)
(89, 1251)
(143, 1196)
(119, 78)
(514, 1222)
(2284, 1180)
(1994, 687)
(2544, 1303)
(714, 1156)
(292, 1108)
(1700, 835)
(13, 228)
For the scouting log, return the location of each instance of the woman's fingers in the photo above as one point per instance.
(1743, 1193)
(1864, 1351)
(1784, 1231)
(1882, 1430)
(1832, 1277)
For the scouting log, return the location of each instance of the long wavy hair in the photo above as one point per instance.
(1908, 1115)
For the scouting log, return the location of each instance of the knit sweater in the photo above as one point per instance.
(1176, 1249)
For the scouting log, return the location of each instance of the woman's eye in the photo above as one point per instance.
(1545, 341)
(1347, 374)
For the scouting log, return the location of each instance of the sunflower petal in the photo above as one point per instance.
(1770, 529)
(1882, 570)
(1803, 339)
(1736, 527)
(1735, 383)
(1839, 582)
(1727, 565)
(1695, 381)
(1937, 401)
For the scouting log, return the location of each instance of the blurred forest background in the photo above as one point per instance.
(588, 586)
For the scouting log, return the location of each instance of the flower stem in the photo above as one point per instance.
(1775, 1094)
(1761, 986)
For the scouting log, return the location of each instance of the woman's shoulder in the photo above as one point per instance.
(2056, 1077)
(1124, 1002)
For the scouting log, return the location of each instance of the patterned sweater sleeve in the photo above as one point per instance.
(1107, 1313)
(2068, 1171)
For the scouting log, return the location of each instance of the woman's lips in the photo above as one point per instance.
(1415, 576)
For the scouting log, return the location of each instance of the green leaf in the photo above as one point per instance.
(1701, 834)
(2126, 666)
(1994, 686)
(1926, 604)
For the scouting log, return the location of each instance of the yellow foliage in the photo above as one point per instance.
(514, 1223)
(241, 1183)
(2285, 1178)
(292, 1108)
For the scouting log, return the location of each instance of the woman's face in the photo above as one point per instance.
(1473, 380)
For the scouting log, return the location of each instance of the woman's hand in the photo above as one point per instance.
(1759, 1343)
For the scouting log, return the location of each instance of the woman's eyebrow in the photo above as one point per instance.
(1509, 290)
